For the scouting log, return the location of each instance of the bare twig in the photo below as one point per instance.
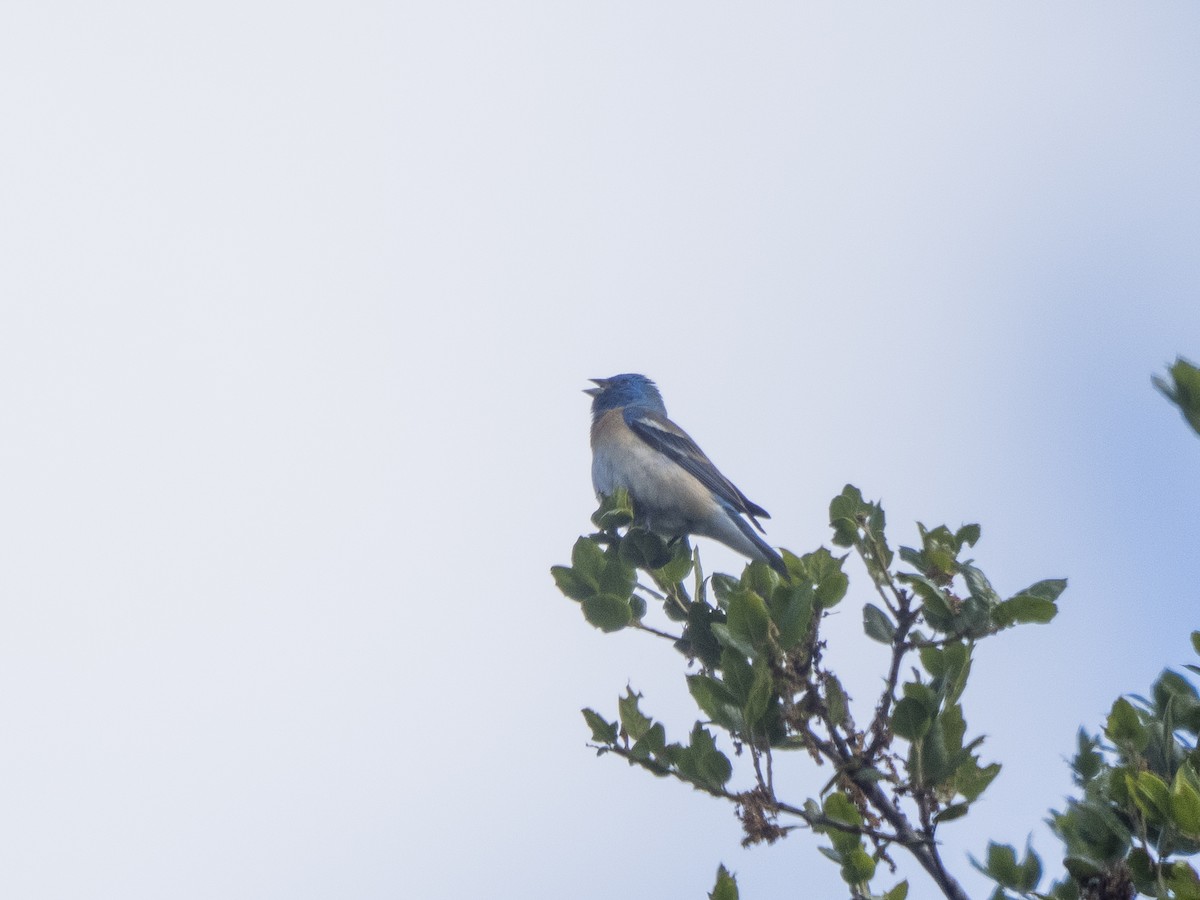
(654, 631)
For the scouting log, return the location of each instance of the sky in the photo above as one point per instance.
(298, 302)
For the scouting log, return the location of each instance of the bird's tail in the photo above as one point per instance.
(766, 552)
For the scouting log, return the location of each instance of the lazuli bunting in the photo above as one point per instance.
(675, 489)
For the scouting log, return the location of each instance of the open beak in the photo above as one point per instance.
(601, 384)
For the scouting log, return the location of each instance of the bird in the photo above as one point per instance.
(675, 488)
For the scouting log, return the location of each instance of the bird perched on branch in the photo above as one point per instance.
(676, 490)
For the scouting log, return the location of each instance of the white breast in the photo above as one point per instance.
(669, 498)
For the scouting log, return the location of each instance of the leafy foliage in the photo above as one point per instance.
(761, 686)
(1183, 390)
(726, 886)
(1138, 816)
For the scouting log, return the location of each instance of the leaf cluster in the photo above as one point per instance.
(1183, 390)
(761, 680)
(1137, 818)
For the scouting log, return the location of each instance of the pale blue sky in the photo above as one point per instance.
(299, 299)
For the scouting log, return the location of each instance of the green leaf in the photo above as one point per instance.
(950, 813)
(1050, 589)
(716, 768)
(830, 853)
(831, 589)
(644, 549)
(953, 727)
(1024, 608)
(859, 524)
(727, 638)
(934, 661)
(844, 841)
(679, 566)
(1118, 786)
(1082, 868)
(615, 511)
(949, 667)
(737, 673)
(701, 761)
(939, 554)
(724, 587)
(1171, 684)
(587, 559)
(958, 669)
(760, 578)
(1184, 391)
(857, 866)
(1094, 828)
(937, 608)
(835, 699)
(840, 808)
(1125, 727)
(716, 701)
(1087, 762)
(844, 512)
(968, 534)
(726, 886)
(698, 639)
(1152, 796)
(978, 586)
(791, 611)
(1143, 870)
(608, 613)
(1002, 865)
(1182, 881)
(761, 692)
(899, 892)
(1185, 806)
(911, 719)
(816, 566)
(973, 782)
(1196, 641)
(603, 731)
(922, 692)
(617, 577)
(633, 720)
(929, 757)
(877, 625)
(571, 583)
(1031, 870)
(650, 743)
(748, 617)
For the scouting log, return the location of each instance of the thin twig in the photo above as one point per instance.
(880, 734)
(651, 630)
(651, 591)
(812, 820)
(770, 774)
(758, 775)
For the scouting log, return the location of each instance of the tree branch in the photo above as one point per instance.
(880, 735)
(774, 805)
(920, 846)
(924, 849)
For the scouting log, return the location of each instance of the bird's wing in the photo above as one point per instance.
(673, 442)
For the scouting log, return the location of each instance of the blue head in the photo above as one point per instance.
(628, 390)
